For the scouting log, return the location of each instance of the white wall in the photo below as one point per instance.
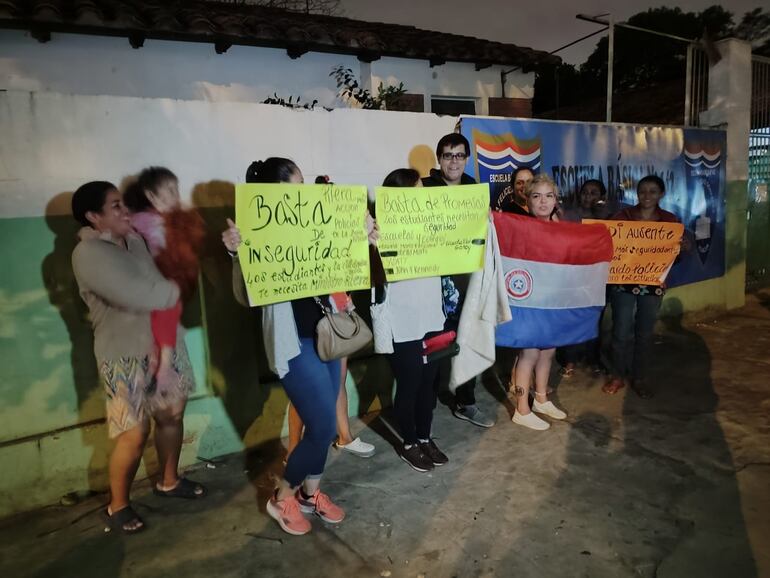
(458, 79)
(78, 64)
(53, 143)
(95, 65)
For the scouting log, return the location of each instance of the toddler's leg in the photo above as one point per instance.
(164, 324)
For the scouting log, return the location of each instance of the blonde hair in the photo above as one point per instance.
(540, 179)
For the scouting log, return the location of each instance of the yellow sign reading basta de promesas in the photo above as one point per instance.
(301, 240)
(429, 231)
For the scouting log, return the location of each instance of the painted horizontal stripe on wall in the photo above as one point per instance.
(560, 286)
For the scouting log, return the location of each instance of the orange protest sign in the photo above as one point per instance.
(643, 251)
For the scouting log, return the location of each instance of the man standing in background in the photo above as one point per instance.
(452, 153)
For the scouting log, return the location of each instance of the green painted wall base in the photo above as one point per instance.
(726, 292)
(40, 471)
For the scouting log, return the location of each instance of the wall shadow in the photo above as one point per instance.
(650, 493)
(61, 286)
(237, 365)
(94, 557)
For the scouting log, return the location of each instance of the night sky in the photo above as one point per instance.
(540, 24)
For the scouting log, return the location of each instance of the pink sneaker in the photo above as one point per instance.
(322, 506)
(286, 513)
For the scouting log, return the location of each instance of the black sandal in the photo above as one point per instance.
(118, 520)
(186, 489)
(642, 391)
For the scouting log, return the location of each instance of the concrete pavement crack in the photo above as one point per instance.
(371, 487)
(748, 465)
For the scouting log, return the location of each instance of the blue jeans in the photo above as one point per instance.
(312, 386)
(633, 323)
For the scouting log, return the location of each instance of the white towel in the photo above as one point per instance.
(485, 307)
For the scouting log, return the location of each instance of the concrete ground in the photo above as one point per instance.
(673, 486)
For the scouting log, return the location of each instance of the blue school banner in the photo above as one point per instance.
(690, 161)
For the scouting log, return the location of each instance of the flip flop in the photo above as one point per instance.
(185, 489)
(642, 391)
(118, 520)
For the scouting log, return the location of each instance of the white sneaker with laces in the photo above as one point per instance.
(549, 409)
(357, 447)
(530, 420)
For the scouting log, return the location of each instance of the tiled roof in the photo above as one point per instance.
(226, 24)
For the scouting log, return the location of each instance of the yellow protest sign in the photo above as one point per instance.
(643, 251)
(301, 240)
(429, 231)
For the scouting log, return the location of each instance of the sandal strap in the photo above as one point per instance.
(119, 519)
(184, 489)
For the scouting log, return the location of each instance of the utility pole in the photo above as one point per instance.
(610, 53)
(610, 67)
(610, 24)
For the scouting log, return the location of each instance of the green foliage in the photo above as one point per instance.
(642, 59)
(348, 88)
(755, 27)
(275, 99)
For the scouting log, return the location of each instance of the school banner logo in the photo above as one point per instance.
(689, 161)
(702, 159)
(497, 156)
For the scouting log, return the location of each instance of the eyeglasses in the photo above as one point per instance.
(454, 156)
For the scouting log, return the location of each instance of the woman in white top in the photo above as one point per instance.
(410, 311)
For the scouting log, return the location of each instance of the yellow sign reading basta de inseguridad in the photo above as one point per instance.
(301, 240)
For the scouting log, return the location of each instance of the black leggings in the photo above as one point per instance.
(415, 395)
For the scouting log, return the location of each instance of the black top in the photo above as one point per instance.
(508, 205)
(453, 287)
(436, 180)
(307, 314)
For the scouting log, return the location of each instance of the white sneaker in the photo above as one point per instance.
(549, 409)
(530, 420)
(357, 447)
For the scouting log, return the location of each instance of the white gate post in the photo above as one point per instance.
(729, 101)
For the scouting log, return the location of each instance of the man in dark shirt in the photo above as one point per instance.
(452, 152)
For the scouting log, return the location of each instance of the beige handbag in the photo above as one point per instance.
(340, 334)
(381, 327)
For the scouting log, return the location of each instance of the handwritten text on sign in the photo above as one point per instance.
(643, 251)
(432, 231)
(301, 240)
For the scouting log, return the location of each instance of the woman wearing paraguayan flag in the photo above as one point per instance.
(542, 201)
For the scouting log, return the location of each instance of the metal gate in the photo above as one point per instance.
(758, 227)
(696, 85)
